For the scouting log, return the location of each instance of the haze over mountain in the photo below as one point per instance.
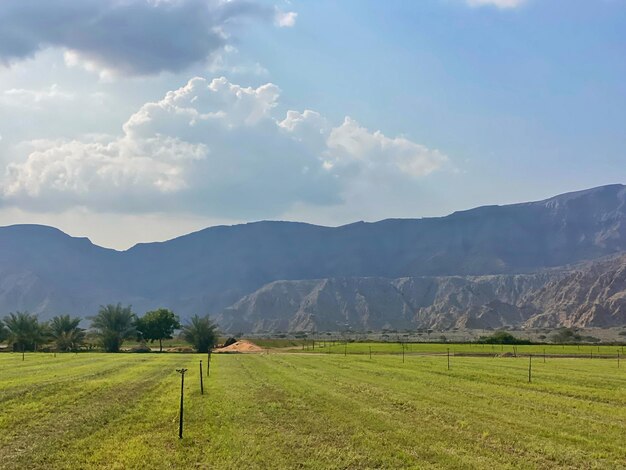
(48, 272)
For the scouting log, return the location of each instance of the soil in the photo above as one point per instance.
(242, 346)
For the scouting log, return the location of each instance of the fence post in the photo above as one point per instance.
(201, 381)
(530, 366)
(182, 394)
(448, 358)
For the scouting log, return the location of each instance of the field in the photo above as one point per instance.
(555, 350)
(311, 411)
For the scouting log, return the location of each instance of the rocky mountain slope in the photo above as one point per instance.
(593, 295)
(45, 271)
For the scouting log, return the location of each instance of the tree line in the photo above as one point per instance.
(113, 325)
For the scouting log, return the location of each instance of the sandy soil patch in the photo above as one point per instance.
(242, 346)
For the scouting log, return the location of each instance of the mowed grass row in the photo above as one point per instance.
(338, 347)
(310, 411)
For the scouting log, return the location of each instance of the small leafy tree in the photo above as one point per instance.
(66, 333)
(158, 325)
(113, 325)
(201, 333)
(24, 331)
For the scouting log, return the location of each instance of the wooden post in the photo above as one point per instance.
(618, 358)
(530, 366)
(371, 354)
(345, 349)
(201, 381)
(544, 355)
(448, 358)
(402, 353)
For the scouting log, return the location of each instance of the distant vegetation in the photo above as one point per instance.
(110, 328)
(570, 335)
(502, 337)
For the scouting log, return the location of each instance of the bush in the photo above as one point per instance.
(502, 337)
(566, 335)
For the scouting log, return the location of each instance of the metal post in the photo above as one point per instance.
(544, 355)
(530, 366)
(201, 381)
(371, 354)
(448, 358)
(182, 394)
(345, 349)
(402, 353)
(618, 358)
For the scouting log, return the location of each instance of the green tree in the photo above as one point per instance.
(158, 325)
(201, 333)
(114, 324)
(3, 332)
(502, 337)
(66, 333)
(24, 331)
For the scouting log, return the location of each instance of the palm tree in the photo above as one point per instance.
(200, 332)
(66, 333)
(24, 331)
(3, 332)
(114, 324)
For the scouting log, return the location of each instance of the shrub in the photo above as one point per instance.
(502, 337)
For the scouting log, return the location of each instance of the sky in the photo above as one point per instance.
(130, 121)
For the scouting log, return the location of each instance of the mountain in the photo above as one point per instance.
(591, 295)
(48, 272)
(378, 303)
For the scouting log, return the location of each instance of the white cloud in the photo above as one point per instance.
(496, 3)
(227, 61)
(30, 98)
(213, 148)
(285, 19)
(352, 143)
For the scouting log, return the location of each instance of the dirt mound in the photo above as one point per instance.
(242, 346)
(507, 354)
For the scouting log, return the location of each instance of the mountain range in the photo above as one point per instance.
(546, 263)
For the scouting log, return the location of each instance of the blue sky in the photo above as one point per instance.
(414, 109)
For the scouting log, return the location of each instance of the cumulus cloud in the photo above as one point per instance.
(128, 37)
(216, 148)
(285, 19)
(496, 3)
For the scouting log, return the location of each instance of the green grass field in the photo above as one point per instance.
(338, 347)
(311, 411)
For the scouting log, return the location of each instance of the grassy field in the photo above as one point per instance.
(311, 411)
(468, 348)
